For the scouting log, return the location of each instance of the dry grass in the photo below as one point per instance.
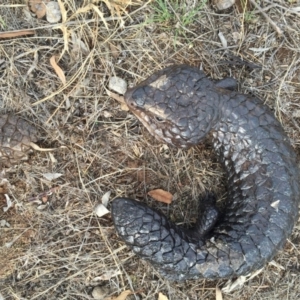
(60, 249)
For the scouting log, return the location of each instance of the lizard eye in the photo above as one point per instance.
(158, 119)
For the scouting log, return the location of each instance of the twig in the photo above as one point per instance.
(116, 97)
(44, 194)
(277, 29)
(293, 10)
(15, 33)
(36, 147)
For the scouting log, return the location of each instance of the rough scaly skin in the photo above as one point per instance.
(179, 105)
(16, 136)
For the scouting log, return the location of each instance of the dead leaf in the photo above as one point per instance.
(138, 151)
(52, 176)
(218, 294)
(38, 7)
(59, 72)
(42, 206)
(105, 198)
(124, 107)
(161, 296)
(161, 196)
(122, 296)
(115, 51)
(223, 39)
(107, 114)
(100, 210)
(8, 203)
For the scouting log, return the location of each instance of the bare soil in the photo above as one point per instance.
(52, 244)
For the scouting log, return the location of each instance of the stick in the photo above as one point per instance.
(273, 24)
(15, 33)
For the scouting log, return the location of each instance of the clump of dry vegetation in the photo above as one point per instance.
(55, 75)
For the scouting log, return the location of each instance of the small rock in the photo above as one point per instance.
(38, 7)
(53, 14)
(118, 85)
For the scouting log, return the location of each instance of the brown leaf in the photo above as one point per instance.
(38, 7)
(161, 296)
(122, 296)
(58, 70)
(161, 196)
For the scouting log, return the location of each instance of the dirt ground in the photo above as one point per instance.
(52, 245)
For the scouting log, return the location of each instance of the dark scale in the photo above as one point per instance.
(263, 181)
